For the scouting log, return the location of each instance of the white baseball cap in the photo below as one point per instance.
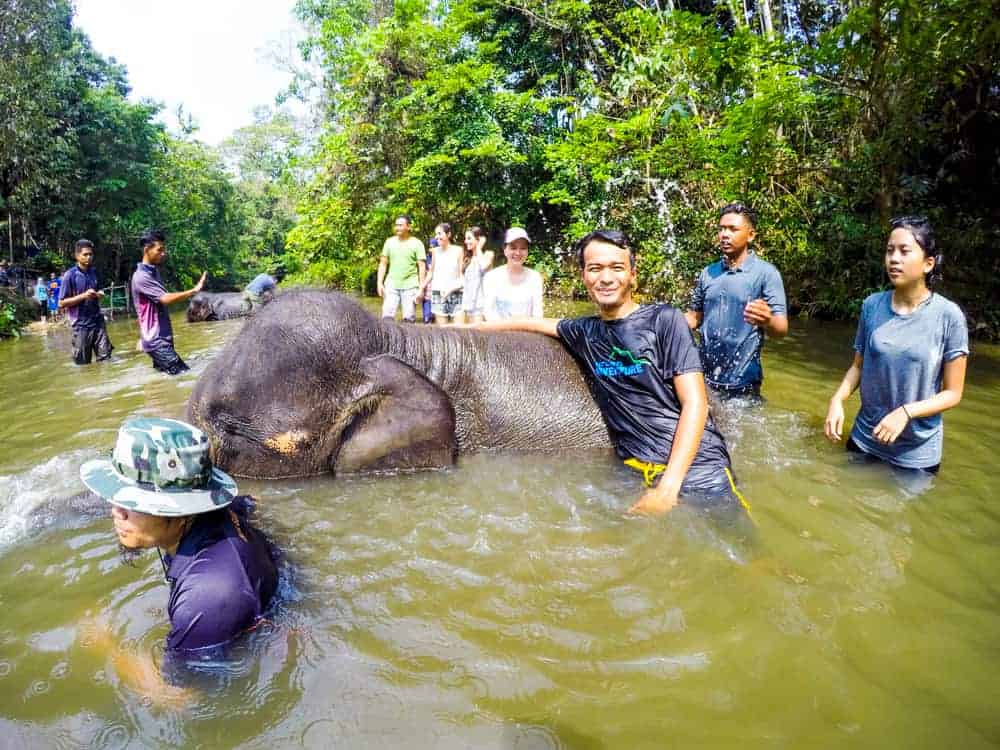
(515, 233)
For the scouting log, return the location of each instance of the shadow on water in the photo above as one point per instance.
(510, 602)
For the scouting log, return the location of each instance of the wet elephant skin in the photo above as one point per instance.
(314, 384)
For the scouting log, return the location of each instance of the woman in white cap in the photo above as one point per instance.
(513, 290)
(167, 495)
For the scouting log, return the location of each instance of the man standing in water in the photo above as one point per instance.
(156, 335)
(403, 258)
(80, 297)
(165, 494)
(646, 378)
(735, 301)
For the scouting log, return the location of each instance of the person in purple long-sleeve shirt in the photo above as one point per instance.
(156, 335)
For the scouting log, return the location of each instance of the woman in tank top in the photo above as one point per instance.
(475, 263)
(446, 278)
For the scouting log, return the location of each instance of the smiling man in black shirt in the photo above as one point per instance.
(646, 377)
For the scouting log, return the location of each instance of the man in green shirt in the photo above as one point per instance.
(403, 258)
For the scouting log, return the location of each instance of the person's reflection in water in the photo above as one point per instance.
(221, 570)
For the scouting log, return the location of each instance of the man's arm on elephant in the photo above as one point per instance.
(690, 387)
(548, 326)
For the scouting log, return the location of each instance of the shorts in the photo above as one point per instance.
(87, 341)
(165, 359)
(856, 449)
(748, 393)
(405, 298)
(720, 492)
(446, 306)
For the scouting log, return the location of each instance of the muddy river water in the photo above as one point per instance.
(509, 602)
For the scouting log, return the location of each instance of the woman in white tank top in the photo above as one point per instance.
(446, 278)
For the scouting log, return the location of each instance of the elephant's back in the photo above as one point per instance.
(519, 391)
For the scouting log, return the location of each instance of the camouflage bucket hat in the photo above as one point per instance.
(160, 467)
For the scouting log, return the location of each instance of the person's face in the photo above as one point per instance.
(735, 235)
(516, 252)
(470, 240)
(442, 237)
(155, 254)
(402, 228)
(52, 277)
(905, 261)
(608, 274)
(84, 257)
(137, 530)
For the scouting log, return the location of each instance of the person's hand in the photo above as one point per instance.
(891, 426)
(380, 289)
(757, 313)
(654, 502)
(92, 294)
(201, 282)
(100, 294)
(481, 243)
(834, 425)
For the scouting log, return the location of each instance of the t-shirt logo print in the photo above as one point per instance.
(621, 363)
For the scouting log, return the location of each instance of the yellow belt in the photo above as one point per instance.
(651, 471)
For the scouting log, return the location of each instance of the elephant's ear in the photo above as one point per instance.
(405, 422)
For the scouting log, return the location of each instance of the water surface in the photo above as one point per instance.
(509, 602)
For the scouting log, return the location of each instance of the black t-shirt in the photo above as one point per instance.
(632, 363)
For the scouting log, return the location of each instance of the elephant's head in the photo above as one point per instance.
(302, 390)
(200, 308)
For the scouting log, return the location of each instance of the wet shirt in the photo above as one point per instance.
(262, 283)
(41, 292)
(76, 281)
(403, 256)
(730, 347)
(632, 363)
(904, 358)
(155, 330)
(221, 580)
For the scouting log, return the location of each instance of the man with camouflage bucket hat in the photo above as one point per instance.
(166, 494)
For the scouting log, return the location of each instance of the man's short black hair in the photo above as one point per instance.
(611, 236)
(82, 243)
(150, 237)
(405, 217)
(743, 210)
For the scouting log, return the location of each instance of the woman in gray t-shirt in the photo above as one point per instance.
(909, 360)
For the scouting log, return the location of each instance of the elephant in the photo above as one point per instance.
(219, 306)
(315, 384)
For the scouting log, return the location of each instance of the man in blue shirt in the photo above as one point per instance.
(260, 291)
(80, 298)
(735, 301)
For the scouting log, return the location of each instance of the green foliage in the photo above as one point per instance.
(563, 115)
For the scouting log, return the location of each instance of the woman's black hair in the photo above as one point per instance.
(923, 233)
(611, 236)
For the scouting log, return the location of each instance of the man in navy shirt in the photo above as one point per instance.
(645, 375)
(166, 494)
(80, 297)
(735, 301)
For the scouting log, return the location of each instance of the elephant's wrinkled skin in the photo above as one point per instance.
(217, 306)
(314, 384)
